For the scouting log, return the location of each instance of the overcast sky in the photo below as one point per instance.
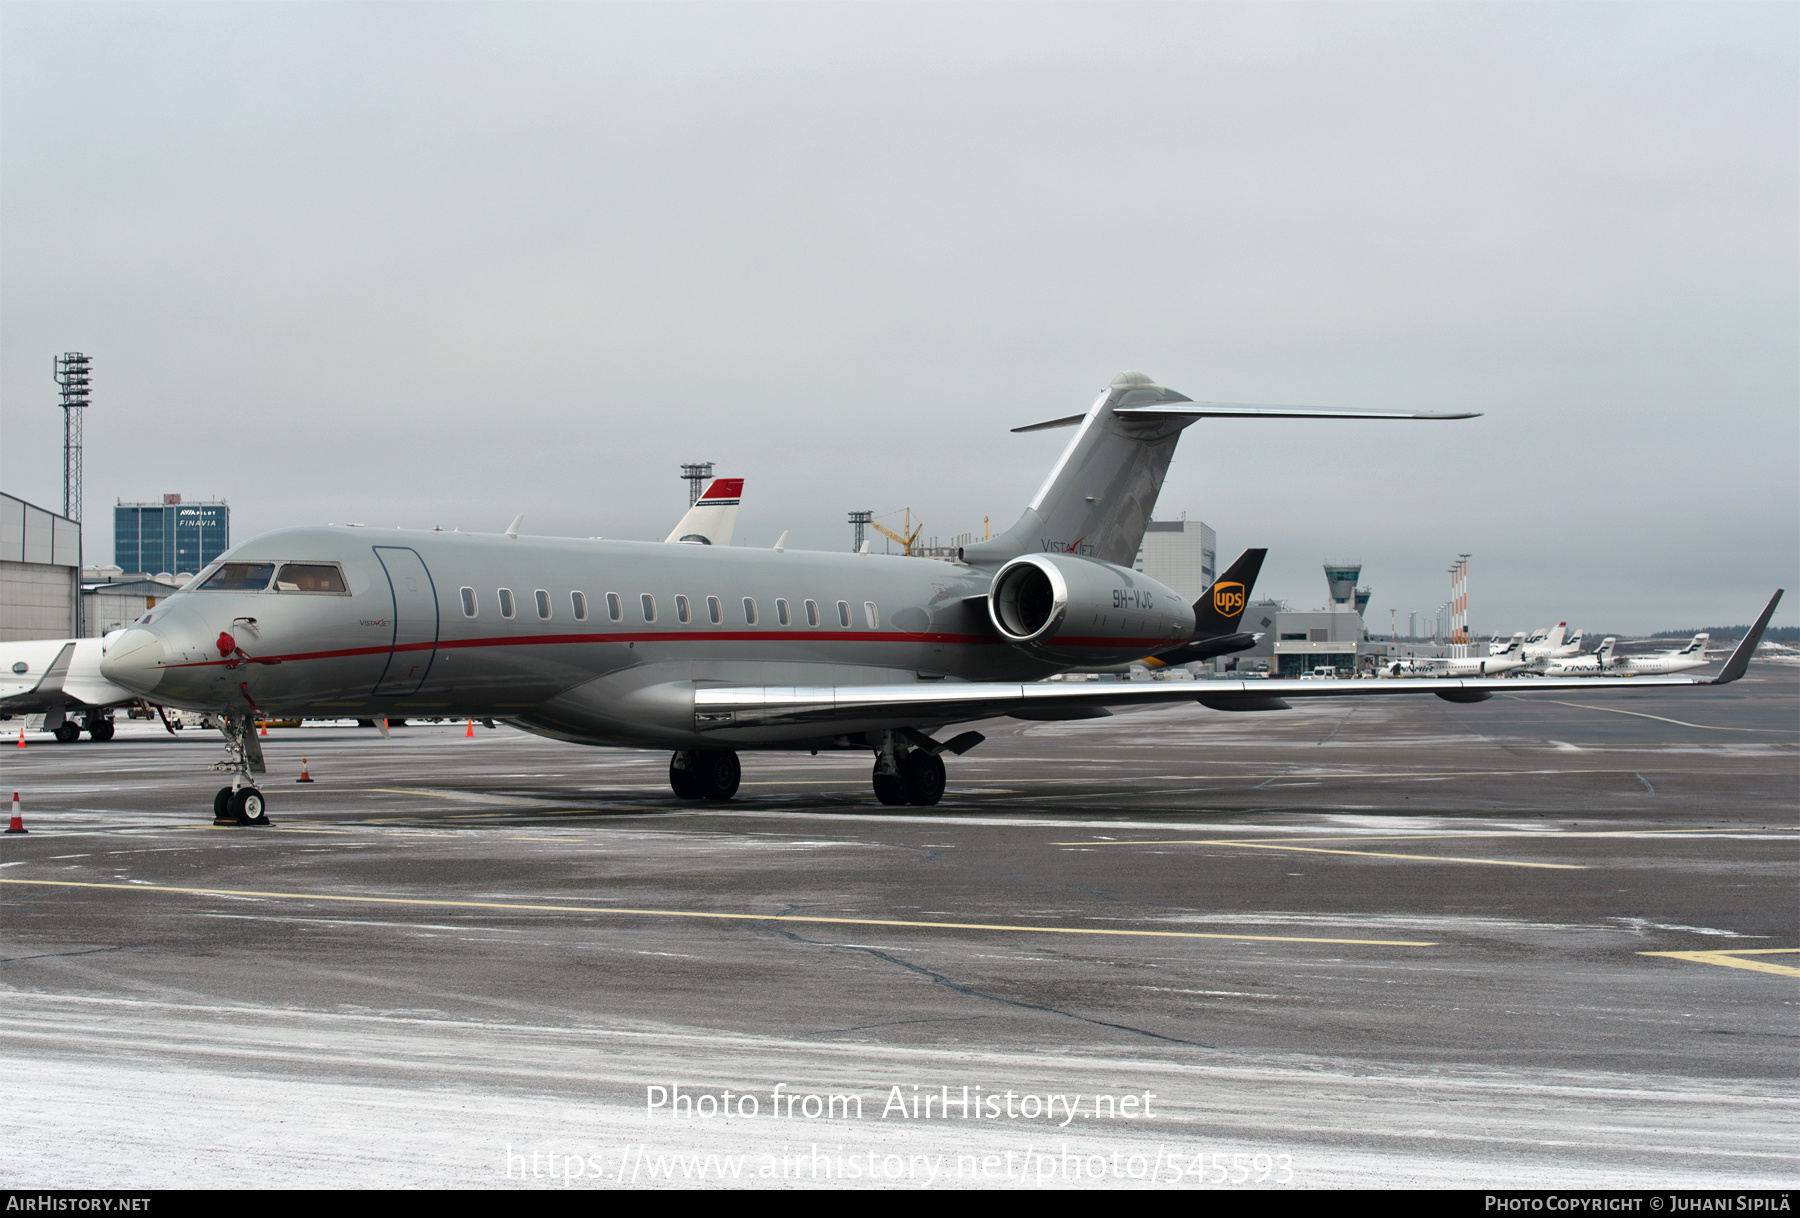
(426, 264)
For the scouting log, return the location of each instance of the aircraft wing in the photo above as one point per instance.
(718, 707)
(736, 706)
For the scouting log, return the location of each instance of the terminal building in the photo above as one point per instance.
(1183, 554)
(40, 572)
(170, 536)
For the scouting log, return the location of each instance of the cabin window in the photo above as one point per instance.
(506, 602)
(750, 610)
(543, 603)
(578, 601)
(310, 577)
(715, 612)
(649, 604)
(239, 577)
(812, 613)
(615, 609)
(781, 612)
(870, 613)
(682, 612)
(468, 600)
(844, 614)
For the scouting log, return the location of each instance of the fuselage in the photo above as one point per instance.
(591, 641)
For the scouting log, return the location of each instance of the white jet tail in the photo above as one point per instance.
(710, 521)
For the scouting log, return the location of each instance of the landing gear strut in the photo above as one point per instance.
(704, 774)
(907, 776)
(240, 803)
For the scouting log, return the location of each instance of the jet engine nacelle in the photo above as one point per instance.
(1082, 611)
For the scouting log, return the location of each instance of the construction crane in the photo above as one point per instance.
(906, 541)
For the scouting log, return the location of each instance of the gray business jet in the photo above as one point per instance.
(710, 650)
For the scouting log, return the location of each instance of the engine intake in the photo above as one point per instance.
(1080, 609)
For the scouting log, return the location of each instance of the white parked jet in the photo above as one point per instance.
(1552, 644)
(1490, 665)
(1605, 663)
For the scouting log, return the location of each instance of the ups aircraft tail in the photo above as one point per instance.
(1101, 492)
(1216, 615)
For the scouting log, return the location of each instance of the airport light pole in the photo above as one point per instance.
(70, 371)
(861, 520)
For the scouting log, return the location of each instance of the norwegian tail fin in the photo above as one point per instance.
(710, 521)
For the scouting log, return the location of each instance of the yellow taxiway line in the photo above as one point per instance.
(1730, 959)
(724, 917)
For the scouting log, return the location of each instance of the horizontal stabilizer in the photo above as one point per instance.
(1242, 410)
(1052, 425)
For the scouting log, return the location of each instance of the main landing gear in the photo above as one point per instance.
(909, 766)
(704, 774)
(240, 803)
(918, 779)
(68, 731)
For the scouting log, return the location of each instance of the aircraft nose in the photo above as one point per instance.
(134, 661)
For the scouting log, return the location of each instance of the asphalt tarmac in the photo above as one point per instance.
(1541, 941)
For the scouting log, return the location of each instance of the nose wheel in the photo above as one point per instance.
(240, 803)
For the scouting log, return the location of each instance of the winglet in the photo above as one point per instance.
(512, 530)
(1740, 658)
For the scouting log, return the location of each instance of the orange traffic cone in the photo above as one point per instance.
(21, 737)
(265, 727)
(470, 734)
(304, 776)
(18, 822)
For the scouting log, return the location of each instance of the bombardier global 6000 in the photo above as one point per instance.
(707, 651)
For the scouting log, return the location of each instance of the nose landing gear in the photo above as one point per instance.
(240, 803)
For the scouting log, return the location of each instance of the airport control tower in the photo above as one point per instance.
(1342, 577)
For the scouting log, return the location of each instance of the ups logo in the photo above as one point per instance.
(1228, 598)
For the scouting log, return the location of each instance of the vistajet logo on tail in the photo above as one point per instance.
(1228, 598)
(1066, 547)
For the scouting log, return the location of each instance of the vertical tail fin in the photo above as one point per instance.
(1100, 494)
(1696, 646)
(1217, 612)
(710, 521)
(1605, 651)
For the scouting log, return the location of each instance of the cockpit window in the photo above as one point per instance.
(205, 574)
(239, 577)
(310, 577)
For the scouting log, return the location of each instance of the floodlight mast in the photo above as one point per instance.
(698, 474)
(70, 371)
(72, 376)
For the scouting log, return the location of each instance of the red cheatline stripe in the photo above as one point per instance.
(776, 635)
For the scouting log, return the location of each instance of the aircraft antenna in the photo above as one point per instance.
(698, 474)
